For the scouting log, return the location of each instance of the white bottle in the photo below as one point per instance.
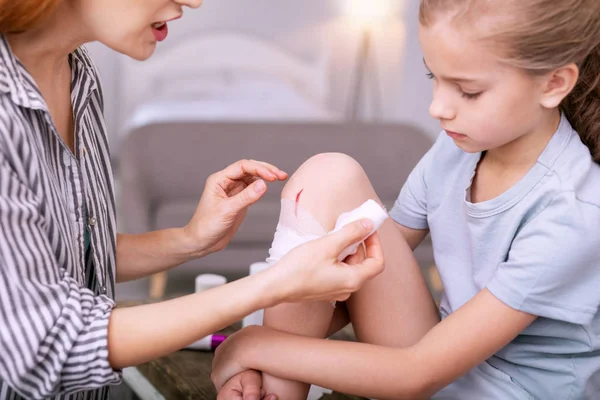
(256, 318)
(205, 282)
(209, 281)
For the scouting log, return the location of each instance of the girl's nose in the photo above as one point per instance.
(440, 109)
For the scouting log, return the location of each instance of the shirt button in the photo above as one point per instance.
(103, 289)
(92, 221)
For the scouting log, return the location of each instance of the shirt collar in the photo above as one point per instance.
(16, 81)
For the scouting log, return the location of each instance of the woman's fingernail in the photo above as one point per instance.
(260, 186)
(367, 223)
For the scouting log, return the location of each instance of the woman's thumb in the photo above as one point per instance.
(249, 195)
(352, 233)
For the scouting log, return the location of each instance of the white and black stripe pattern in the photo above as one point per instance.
(55, 302)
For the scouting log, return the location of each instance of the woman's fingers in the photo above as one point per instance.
(362, 269)
(350, 234)
(248, 196)
(357, 257)
(322, 276)
(280, 174)
(373, 265)
(373, 247)
(245, 168)
(244, 173)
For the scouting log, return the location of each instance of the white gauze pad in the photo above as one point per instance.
(370, 210)
(297, 226)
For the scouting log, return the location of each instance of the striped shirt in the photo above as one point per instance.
(55, 300)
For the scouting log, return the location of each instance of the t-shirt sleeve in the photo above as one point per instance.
(410, 208)
(552, 269)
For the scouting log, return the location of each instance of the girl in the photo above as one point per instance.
(510, 193)
(59, 252)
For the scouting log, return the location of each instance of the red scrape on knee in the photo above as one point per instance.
(297, 202)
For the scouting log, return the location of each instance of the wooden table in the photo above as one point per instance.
(183, 375)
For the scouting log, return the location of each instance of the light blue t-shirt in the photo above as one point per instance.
(536, 247)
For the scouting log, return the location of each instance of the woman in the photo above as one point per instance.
(59, 252)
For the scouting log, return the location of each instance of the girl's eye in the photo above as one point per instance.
(471, 96)
(430, 75)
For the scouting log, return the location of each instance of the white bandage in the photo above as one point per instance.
(297, 226)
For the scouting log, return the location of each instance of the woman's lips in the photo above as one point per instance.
(160, 31)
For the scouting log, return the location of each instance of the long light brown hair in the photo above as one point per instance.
(540, 36)
(22, 15)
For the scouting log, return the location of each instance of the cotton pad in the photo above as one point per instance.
(370, 210)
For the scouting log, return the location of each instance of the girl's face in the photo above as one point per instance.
(480, 102)
(131, 27)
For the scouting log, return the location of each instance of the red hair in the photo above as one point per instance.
(21, 15)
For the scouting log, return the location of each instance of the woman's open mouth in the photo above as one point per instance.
(160, 30)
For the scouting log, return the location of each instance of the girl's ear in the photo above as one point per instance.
(558, 84)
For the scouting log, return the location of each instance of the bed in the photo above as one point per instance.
(223, 76)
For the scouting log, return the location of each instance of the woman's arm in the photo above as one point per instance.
(142, 333)
(58, 337)
(149, 253)
(222, 208)
(308, 273)
(463, 340)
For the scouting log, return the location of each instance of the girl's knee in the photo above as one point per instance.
(325, 172)
(327, 185)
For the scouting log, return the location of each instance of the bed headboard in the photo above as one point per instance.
(207, 54)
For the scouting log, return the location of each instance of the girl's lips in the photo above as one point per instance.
(455, 135)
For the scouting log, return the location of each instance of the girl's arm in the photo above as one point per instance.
(459, 343)
(413, 237)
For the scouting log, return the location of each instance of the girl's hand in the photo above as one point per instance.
(226, 197)
(228, 375)
(245, 386)
(312, 272)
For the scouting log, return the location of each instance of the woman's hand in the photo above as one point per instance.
(226, 197)
(312, 272)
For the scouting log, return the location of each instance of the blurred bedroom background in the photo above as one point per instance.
(272, 80)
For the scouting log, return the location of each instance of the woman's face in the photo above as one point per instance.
(131, 27)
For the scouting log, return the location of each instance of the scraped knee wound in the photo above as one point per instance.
(297, 226)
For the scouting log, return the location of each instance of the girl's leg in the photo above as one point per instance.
(394, 309)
